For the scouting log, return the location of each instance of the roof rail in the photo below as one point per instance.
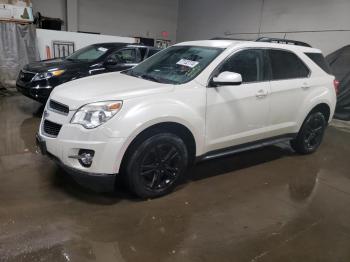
(227, 38)
(281, 41)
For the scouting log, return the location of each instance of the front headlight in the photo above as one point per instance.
(95, 114)
(49, 74)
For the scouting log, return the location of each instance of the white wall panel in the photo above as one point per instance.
(46, 37)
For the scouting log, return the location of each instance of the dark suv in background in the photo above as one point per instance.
(37, 80)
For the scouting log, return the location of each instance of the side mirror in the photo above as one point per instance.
(227, 79)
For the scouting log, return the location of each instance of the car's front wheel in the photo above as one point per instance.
(156, 164)
(311, 133)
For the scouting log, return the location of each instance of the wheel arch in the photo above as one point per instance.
(180, 129)
(323, 107)
(307, 140)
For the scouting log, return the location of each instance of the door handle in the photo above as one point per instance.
(305, 86)
(261, 93)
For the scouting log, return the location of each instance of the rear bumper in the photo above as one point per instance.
(93, 181)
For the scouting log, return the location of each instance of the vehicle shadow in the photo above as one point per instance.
(204, 170)
(239, 161)
(27, 130)
(63, 181)
(39, 111)
(30, 107)
(301, 179)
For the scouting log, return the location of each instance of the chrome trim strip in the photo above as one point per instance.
(215, 71)
(245, 147)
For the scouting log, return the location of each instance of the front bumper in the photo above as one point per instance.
(38, 93)
(99, 182)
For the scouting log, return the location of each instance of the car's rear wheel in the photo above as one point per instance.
(156, 164)
(311, 134)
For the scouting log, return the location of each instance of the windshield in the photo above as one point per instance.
(176, 64)
(88, 54)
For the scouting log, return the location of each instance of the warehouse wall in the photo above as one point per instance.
(322, 23)
(129, 17)
(123, 17)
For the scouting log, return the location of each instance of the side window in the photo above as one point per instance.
(320, 61)
(125, 56)
(91, 54)
(249, 63)
(143, 52)
(152, 52)
(286, 65)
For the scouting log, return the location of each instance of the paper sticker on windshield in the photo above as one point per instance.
(102, 49)
(187, 63)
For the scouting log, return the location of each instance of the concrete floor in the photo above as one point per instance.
(264, 205)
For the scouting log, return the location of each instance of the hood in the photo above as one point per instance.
(110, 86)
(45, 65)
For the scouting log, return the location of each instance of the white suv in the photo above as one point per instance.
(193, 101)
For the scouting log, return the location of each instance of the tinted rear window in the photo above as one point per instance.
(286, 65)
(320, 61)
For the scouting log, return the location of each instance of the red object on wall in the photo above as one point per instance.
(48, 52)
(165, 34)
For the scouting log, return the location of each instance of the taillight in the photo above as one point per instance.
(336, 84)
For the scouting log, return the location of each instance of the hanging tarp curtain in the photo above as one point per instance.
(339, 62)
(17, 47)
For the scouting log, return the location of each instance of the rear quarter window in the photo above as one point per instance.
(319, 59)
(287, 65)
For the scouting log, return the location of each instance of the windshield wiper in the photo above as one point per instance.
(131, 72)
(149, 77)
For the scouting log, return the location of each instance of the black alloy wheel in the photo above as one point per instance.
(311, 134)
(160, 166)
(314, 131)
(156, 165)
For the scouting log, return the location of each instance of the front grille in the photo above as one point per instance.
(60, 108)
(51, 128)
(25, 76)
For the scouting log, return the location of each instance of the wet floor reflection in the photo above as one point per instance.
(120, 226)
(265, 205)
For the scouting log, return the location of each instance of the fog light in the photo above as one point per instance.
(85, 157)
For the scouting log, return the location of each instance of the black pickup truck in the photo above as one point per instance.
(37, 80)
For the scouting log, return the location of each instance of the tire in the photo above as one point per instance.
(310, 134)
(156, 164)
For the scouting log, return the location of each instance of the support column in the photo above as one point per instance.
(72, 15)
